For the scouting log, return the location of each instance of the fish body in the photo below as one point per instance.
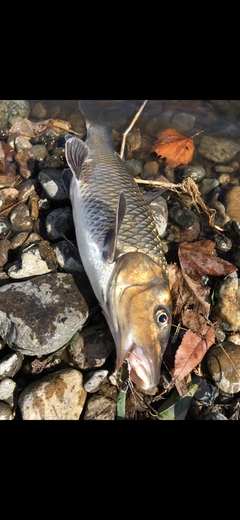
(120, 249)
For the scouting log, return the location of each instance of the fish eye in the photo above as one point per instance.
(161, 318)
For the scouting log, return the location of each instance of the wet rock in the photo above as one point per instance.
(92, 348)
(134, 167)
(10, 364)
(58, 396)
(40, 315)
(182, 122)
(30, 264)
(183, 217)
(226, 310)
(59, 222)
(150, 169)
(94, 379)
(231, 202)
(39, 151)
(51, 182)
(234, 337)
(220, 218)
(217, 149)
(8, 391)
(5, 412)
(102, 406)
(10, 110)
(133, 140)
(207, 185)
(38, 110)
(197, 173)
(20, 218)
(223, 363)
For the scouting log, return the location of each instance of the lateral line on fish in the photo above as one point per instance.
(110, 244)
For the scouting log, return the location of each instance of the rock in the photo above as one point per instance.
(159, 209)
(8, 391)
(58, 396)
(150, 169)
(39, 151)
(40, 315)
(31, 264)
(94, 380)
(218, 150)
(182, 122)
(92, 348)
(10, 364)
(20, 218)
(59, 222)
(134, 167)
(68, 259)
(5, 412)
(231, 202)
(38, 110)
(50, 180)
(207, 185)
(226, 310)
(10, 110)
(214, 416)
(223, 363)
(197, 173)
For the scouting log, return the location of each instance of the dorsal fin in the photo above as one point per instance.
(76, 152)
(110, 243)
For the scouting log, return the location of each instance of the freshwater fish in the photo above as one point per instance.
(119, 244)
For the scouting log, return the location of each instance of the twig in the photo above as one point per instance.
(130, 126)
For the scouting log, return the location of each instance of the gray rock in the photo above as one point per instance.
(10, 110)
(67, 258)
(31, 264)
(94, 380)
(207, 185)
(59, 222)
(133, 167)
(218, 150)
(20, 218)
(197, 173)
(50, 180)
(182, 122)
(39, 151)
(58, 396)
(40, 315)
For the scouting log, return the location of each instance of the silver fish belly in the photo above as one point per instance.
(121, 251)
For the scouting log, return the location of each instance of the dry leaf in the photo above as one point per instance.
(27, 128)
(197, 259)
(191, 352)
(176, 148)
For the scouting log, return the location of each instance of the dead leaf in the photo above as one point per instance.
(191, 352)
(190, 299)
(197, 259)
(175, 148)
(22, 159)
(27, 128)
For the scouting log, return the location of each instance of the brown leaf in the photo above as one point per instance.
(22, 159)
(27, 128)
(197, 259)
(190, 299)
(176, 148)
(191, 352)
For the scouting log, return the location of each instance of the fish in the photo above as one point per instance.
(119, 244)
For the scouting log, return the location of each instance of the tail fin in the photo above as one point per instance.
(108, 112)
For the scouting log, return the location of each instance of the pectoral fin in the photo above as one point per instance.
(110, 244)
(76, 152)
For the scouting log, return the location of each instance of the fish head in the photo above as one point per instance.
(139, 316)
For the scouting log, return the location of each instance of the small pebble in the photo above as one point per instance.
(223, 363)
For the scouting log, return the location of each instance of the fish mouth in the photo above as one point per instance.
(140, 370)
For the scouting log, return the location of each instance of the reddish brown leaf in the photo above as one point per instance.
(197, 259)
(175, 148)
(191, 352)
(27, 128)
(22, 159)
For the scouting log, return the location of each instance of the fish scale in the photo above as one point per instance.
(100, 196)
